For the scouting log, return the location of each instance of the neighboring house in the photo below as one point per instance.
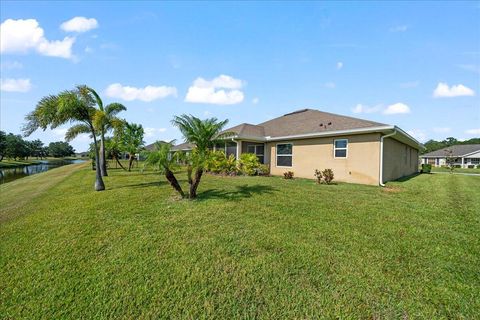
(358, 151)
(464, 155)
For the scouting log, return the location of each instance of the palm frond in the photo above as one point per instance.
(114, 108)
(98, 100)
(75, 130)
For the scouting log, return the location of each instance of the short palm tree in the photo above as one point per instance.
(76, 106)
(105, 120)
(132, 140)
(203, 134)
(164, 160)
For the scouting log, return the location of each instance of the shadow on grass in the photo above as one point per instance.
(240, 192)
(406, 178)
(142, 185)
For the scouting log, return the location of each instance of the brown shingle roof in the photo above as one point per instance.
(183, 146)
(457, 150)
(247, 130)
(313, 121)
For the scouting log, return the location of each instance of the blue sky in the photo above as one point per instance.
(413, 64)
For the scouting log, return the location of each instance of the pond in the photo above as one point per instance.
(11, 174)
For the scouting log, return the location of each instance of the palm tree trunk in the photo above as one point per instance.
(119, 163)
(195, 183)
(99, 185)
(103, 161)
(130, 161)
(174, 182)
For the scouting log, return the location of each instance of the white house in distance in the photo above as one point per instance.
(466, 156)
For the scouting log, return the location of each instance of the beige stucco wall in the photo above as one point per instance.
(361, 165)
(399, 159)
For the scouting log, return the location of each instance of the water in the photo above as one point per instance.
(11, 174)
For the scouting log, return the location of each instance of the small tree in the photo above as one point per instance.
(164, 160)
(450, 160)
(132, 141)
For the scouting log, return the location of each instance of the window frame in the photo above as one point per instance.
(255, 146)
(335, 149)
(283, 155)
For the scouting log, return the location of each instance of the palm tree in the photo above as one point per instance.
(132, 140)
(76, 106)
(165, 161)
(203, 134)
(105, 120)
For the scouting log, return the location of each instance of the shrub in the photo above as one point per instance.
(327, 176)
(288, 175)
(249, 164)
(217, 162)
(426, 168)
(471, 166)
(318, 175)
(264, 170)
(478, 166)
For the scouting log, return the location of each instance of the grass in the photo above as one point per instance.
(456, 170)
(249, 247)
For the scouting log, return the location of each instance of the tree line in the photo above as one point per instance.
(433, 145)
(14, 147)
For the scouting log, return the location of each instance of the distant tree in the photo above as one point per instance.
(433, 145)
(15, 147)
(60, 149)
(77, 106)
(3, 144)
(131, 140)
(36, 148)
(450, 159)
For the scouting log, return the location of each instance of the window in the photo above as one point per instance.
(284, 155)
(258, 150)
(340, 148)
(231, 149)
(474, 160)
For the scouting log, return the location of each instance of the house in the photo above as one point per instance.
(358, 151)
(463, 155)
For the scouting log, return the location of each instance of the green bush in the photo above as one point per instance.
(426, 168)
(217, 162)
(264, 170)
(249, 164)
(478, 166)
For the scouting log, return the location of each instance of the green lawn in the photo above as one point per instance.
(456, 170)
(249, 247)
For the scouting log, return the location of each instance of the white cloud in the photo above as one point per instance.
(329, 85)
(21, 36)
(409, 84)
(79, 24)
(15, 85)
(470, 67)
(360, 108)
(397, 108)
(221, 90)
(60, 132)
(444, 91)
(9, 65)
(473, 131)
(255, 100)
(339, 65)
(147, 94)
(400, 28)
(418, 134)
(442, 129)
(152, 132)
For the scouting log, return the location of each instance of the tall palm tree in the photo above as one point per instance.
(105, 120)
(76, 106)
(165, 161)
(203, 134)
(132, 141)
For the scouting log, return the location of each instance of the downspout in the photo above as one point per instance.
(238, 149)
(381, 155)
